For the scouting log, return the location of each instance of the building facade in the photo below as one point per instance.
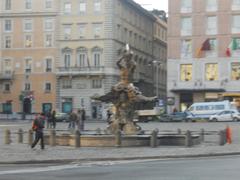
(199, 69)
(56, 54)
(93, 34)
(27, 55)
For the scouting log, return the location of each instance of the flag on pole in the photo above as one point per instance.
(232, 46)
(206, 46)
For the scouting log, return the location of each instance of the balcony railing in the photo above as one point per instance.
(8, 75)
(86, 70)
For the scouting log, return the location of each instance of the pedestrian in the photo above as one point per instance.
(83, 119)
(109, 114)
(72, 120)
(53, 119)
(48, 119)
(79, 119)
(38, 126)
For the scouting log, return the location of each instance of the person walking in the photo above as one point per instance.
(53, 119)
(72, 120)
(83, 119)
(38, 126)
(79, 119)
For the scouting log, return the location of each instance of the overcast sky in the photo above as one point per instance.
(154, 4)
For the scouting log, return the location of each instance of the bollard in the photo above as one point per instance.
(7, 134)
(77, 138)
(30, 137)
(221, 138)
(153, 139)
(229, 135)
(188, 139)
(118, 139)
(52, 137)
(20, 136)
(202, 135)
(179, 131)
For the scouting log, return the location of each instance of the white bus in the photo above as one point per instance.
(206, 109)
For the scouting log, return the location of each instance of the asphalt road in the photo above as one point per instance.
(220, 168)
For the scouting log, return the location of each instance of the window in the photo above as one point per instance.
(97, 29)
(82, 30)
(28, 4)
(235, 71)
(8, 25)
(82, 7)
(97, 6)
(82, 58)
(96, 59)
(48, 65)
(8, 4)
(6, 87)
(234, 50)
(213, 48)
(211, 5)
(27, 87)
(7, 66)
(48, 25)
(28, 41)
(235, 4)
(67, 32)
(96, 83)
(48, 40)
(186, 72)
(186, 6)
(67, 8)
(28, 25)
(28, 65)
(186, 49)
(47, 87)
(66, 84)
(7, 107)
(236, 24)
(67, 60)
(8, 42)
(211, 25)
(48, 4)
(211, 71)
(186, 26)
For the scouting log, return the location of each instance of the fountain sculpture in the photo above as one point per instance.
(124, 96)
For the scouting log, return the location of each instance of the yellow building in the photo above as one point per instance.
(27, 55)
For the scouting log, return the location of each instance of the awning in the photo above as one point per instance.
(196, 90)
(231, 94)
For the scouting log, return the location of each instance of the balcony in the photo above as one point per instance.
(86, 70)
(7, 75)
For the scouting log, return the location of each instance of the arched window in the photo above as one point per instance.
(67, 56)
(96, 56)
(82, 57)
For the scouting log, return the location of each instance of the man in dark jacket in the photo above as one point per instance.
(37, 126)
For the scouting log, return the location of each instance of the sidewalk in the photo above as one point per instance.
(22, 153)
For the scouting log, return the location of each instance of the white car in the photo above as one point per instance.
(226, 115)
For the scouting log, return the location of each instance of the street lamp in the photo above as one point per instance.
(157, 64)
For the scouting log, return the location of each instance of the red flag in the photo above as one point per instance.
(206, 46)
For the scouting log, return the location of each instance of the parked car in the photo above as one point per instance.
(62, 117)
(176, 117)
(227, 115)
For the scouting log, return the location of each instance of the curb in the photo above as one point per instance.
(59, 161)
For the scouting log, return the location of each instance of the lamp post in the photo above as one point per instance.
(158, 64)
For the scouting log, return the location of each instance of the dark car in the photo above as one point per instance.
(62, 117)
(176, 117)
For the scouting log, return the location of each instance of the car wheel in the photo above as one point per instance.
(235, 119)
(214, 120)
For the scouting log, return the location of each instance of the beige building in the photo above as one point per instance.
(210, 74)
(92, 36)
(27, 55)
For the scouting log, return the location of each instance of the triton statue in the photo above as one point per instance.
(124, 97)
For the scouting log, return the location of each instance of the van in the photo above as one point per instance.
(206, 109)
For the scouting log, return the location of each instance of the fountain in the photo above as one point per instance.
(124, 96)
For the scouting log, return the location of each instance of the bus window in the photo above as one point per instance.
(219, 107)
